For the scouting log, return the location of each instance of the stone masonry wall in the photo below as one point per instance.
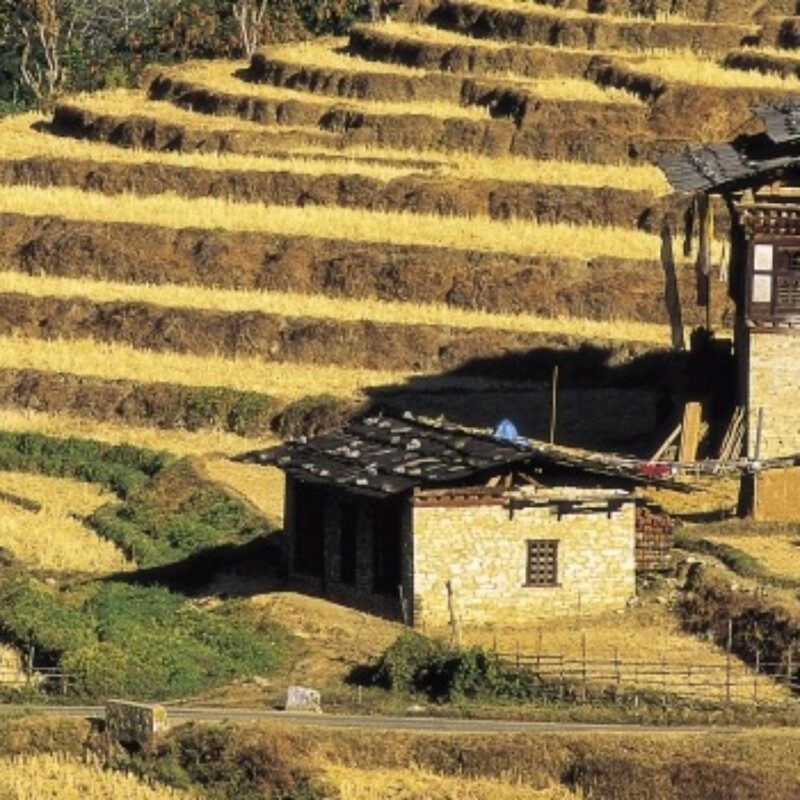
(772, 372)
(482, 552)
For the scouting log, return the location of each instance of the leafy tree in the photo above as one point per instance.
(51, 46)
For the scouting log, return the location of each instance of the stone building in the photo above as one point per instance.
(759, 178)
(435, 525)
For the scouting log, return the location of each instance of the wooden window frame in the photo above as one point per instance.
(542, 546)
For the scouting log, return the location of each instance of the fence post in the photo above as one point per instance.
(664, 679)
(518, 654)
(29, 666)
(790, 665)
(755, 677)
(583, 654)
(729, 649)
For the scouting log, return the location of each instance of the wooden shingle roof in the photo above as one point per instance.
(736, 164)
(383, 455)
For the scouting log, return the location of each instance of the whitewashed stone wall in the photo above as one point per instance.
(772, 372)
(482, 552)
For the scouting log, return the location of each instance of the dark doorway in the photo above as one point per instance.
(348, 538)
(309, 533)
(387, 537)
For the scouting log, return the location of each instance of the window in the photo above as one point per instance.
(787, 281)
(763, 260)
(541, 568)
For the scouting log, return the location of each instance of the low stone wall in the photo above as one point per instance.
(12, 670)
(134, 723)
(470, 561)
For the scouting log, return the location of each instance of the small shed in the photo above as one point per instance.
(430, 523)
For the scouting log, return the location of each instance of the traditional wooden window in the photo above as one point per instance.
(763, 262)
(541, 567)
(787, 282)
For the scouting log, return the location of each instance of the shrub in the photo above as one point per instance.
(404, 660)
(414, 663)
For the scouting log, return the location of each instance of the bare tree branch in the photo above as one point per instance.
(250, 15)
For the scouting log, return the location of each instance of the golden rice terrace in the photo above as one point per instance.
(430, 214)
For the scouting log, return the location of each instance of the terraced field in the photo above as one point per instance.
(430, 214)
(465, 190)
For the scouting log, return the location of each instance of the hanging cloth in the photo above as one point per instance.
(705, 216)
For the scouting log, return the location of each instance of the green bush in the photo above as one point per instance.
(404, 660)
(414, 663)
(135, 641)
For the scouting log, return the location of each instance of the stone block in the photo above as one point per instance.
(134, 723)
(301, 698)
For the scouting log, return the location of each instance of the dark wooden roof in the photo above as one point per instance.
(382, 456)
(743, 161)
(782, 120)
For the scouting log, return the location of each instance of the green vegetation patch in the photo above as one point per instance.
(121, 468)
(115, 637)
(167, 510)
(176, 515)
(143, 642)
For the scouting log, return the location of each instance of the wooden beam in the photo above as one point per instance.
(671, 439)
(690, 433)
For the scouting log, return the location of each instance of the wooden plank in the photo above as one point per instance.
(690, 433)
(659, 454)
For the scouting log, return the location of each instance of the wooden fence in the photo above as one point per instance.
(49, 680)
(729, 682)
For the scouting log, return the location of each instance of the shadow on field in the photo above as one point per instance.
(252, 568)
(605, 399)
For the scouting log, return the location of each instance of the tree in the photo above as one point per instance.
(37, 29)
(250, 14)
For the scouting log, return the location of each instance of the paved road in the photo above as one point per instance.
(376, 722)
